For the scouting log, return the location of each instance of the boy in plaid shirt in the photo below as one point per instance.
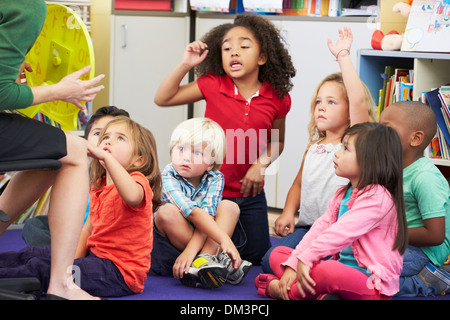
(194, 226)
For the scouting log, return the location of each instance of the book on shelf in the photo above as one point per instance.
(40, 207)
(263, 6)
(439, 101)
(397, 86)
(224, 6)
(313, 8)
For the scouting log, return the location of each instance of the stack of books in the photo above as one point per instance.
(397, 86)
(439, 101)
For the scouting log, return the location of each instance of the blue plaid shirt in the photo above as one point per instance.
(180, 192)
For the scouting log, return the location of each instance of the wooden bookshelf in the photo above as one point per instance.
(431, 70)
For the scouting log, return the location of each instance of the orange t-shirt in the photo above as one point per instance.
(121, 233)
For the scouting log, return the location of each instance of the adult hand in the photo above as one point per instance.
(74, 90)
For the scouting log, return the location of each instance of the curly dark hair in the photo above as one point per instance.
(278, 70)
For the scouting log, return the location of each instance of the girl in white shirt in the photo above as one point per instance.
(334, 108)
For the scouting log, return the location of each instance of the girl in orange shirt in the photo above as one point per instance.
(116, 242)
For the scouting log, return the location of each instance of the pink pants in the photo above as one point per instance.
(330, 276)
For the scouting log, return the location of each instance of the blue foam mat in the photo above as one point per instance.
(168, 288)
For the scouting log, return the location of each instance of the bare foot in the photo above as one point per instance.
(274, 289)
(71, 292)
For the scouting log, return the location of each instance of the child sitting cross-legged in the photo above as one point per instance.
(193, 228)
(427, 202)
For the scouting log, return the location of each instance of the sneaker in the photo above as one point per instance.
(437, 279)
(234, 276)
(190, 279)
(208, 271)
(446, 267)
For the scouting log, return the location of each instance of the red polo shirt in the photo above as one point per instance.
(247, 124)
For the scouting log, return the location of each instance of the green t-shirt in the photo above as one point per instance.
(427, 195)
(21, 22)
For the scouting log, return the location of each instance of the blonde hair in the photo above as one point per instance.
(201, 130)
(144, 145)
(314, 134)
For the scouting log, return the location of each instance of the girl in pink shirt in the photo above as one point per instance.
(364, 228)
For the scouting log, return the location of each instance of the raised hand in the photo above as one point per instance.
(194, 54)
(75, 90)
(343, 44)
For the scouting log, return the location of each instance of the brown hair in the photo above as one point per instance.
(379, 155)
(144, 146)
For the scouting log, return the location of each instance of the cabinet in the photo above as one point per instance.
(307, 43)
(144, 49)
(431, 70)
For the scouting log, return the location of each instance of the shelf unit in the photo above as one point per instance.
(431, 70)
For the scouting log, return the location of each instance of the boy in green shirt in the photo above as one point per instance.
(427, 202)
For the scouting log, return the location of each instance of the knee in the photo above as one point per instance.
(231, 208)
(328, 271)
(76, 150)
(166, 215)
(279, 253)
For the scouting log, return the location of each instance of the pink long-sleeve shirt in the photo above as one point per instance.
(369, 227)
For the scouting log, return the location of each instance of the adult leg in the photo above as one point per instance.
(66, 209)
(66, 212)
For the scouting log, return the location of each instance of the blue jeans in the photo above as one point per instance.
(411, 284)
(252, 240)
(291, 241)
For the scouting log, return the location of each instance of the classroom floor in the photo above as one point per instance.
(168, 288)
(273, 214)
